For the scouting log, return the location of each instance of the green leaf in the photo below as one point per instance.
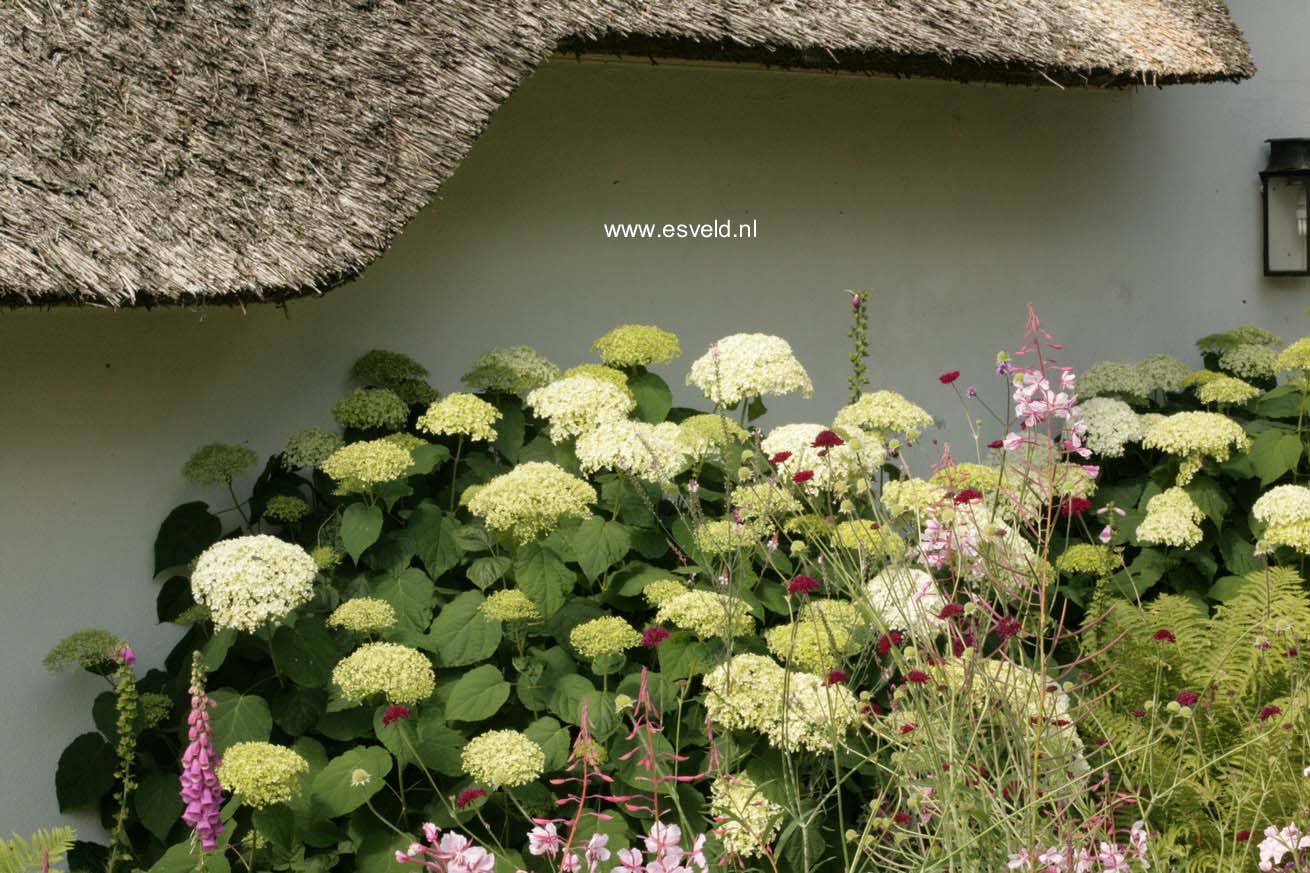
(756, 409)
(543, 577)
(277, 823)
(305, 652)
(554, 740)
(1209, 496)
(361, 525)
(174, 599)
(461, 634)
(1274, 454)
(600, 544)
(487, 571)
(296, 710)
(185, 858)
(85, 772)
(411, 594)
(1238, 552)
(478, 695)
(439, 747)
(435, 537)
(1226, 588)
(1282, 402)
(427, 458)
(566, 700)
(339, 788)
(239, 718)
(1147, 569)
(634, 577)
(215, 650)
(654, 399)
(509, 430)
(158, 803)
(187, 531)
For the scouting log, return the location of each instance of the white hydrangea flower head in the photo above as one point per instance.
(912, 497)
(748, 821)
(707, 435)
(503, 759)
(1283, 504)
(764, 500)
(815, 715)
(461, 414)
(510, 370)
(1250, 361)
(1114, 377)
(363, 615)
(835, 469)
(607, 635)
(529, 501)
(398, 673)
(249, 581)
(1172, 519)
(577, 404)
(1294, 357)
(650, 452)
(721, 536)
(1163, 372)
(883, 413)
(360, 465)
(510, 604)
(1111, 426)
(1227, 389)
(813, 646)
(708, 614)
(908, 599)
(746, 365)
(1195, 436)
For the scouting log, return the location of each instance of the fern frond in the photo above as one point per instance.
(45, 848)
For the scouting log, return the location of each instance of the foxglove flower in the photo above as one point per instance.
(201, 791)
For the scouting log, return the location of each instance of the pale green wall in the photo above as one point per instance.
(1131, 219)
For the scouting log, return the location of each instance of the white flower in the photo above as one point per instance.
(834, 468)
(1111, 425)
(249, 581)
(748, 365)
(576, 404)
(651, 452)
(906, 598)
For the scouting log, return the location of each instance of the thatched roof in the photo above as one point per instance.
(244, 150)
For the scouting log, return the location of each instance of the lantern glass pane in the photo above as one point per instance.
(1289, 249)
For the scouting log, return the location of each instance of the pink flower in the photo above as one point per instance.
(127, 656)
(948, 378)
(1107, 534)
(1008, 627)
(571, 863)
(836, 677)
(1020, 860)
(543, 840)
(697, 854)
(468, 795)
(653, 636)
(918, 677)
(803, 476)
(802, 584)
(596, 850)
(1164, 635)
(968, 495)
(201, 790)
(1012, 442)
(1269, 712)
(473, 859)
(631, 859)
(395, 712)
(827, 439)
(779, 458)
(663, 842)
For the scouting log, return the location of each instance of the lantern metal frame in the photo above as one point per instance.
(1288, 159)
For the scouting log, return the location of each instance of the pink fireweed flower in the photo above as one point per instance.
(1020, 860)
(1112, 858)
(1106, 534)
(395, 713)
(663, 841)
(201, 791)
(631, 860)
(596, 850)
(571, 863)
(543, 840)
(1053, 859)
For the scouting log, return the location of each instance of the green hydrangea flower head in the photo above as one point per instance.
(1225, 390)
(398, 673)
(510, 604)
(503, 759)
(607, 635)
(809, 645)
(91, 649)
(363, 615)
(912, 496)
(1294, 357)
(721, 536)
(326, 558)
(510, 370)
(883, 413)
(637, 345)
(661, 590)
(310, 447)
(285, 508)
(461, 414)
(1238, 336)
(407, 441)
(706, 436)
(1163, 372)
(765, 500)
(835, 613)
(155, 708)
(415, 392)
(600, 371)
(262, 773)
(874, 540)
(361, 465)
(380, 367)
(218, 463)
(529, 501)
(1092, 559)
(708, 614)
(1115, 379)
(1195, 436)
(371, 409)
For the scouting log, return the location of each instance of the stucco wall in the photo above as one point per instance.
(1130, 218)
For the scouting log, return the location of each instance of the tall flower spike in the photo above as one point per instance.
(201, 791)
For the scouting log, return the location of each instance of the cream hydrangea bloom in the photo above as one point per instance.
(794, 710)
(246, 582)
(833, 613)
(632, 345)
(218, 463)
(742, 693)
(503, 759)
(650, 452)
(871, 539)
(1285, 510)
(1172, 520)
(510, 604)
(577, 404)
(657, 592)
(1195, 436)
(708, 614)
(1114, 377)
(1226, 389)
(815, 716)
(764, 500)
(1095, 559)
(371, 409)
(746, 365)
(310, 447)
(363, 615)
(908, 599)
(1249, 361)
(607, 635)
(1163, 372)
(812, 646)
(399, 673)
(707, 435)
(883, 413)
(601, 372)
(510, 370)
(912, 496)
(361, 465)
(748, 821)
(1111, 426)
(720, 536)
(463, 415)
(528, 502)
(835, 469)
(261, 773)
(1294, 357)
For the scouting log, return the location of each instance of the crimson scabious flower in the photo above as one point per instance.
(779, 458)
(1008, 627)
(395, 713)
(951, 610)
(836, 677)
(803, 476)
(887, 640)
(901, 818)
(1243, 836)
(1139, 713)
(802, 584)
(871, 708)
(918, 677)
(1187, 698)
(1269, 712)
(653, 636)
(908, 727)
(1164, 635)
(948, 378)
(827, 439)
(468, 795)
(1071, 506)
(1291, 653)
(967, 495)
(996, 444)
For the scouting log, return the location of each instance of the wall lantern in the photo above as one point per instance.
(1286, 183)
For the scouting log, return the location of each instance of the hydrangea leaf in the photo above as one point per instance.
(361, 525)
(486, 571)
(296, 710)
(509, 430)
(85, 772)
(1226, 588)
(1209, 496)
(438, 745)
(1147, 569)
(277, 824)
(410, 593)
(566, 699)
(239, 718)
(435, 535)
(181, 858)
(1274, 454)
(186, 532)
(478, 695)
(554, 740)
(350, 779)
(174, 599)
(461, 634)
(600, 544)
(158, 803)
(305, 652)
(543, 577)
(215, 650)
(654, 399)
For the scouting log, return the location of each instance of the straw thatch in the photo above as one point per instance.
(182, 151)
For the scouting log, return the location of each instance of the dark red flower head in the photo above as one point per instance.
(918, 677)
(1071, 506)
(396, 712)
(802, 584)
(468, 795)
(951, 610)
(996, 444)
(827, 439)
(1269, 712)
(836, 677)
(1187, 698)
(1164, 635)
(948, 378)
(887, 640)
(653, 636)
(871, 708)
(1008, 627)
(908, 727)
(803, 476)
(779, 458)
(1139, 713)
(1243, 836)
(967, 496)
(901, 818)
